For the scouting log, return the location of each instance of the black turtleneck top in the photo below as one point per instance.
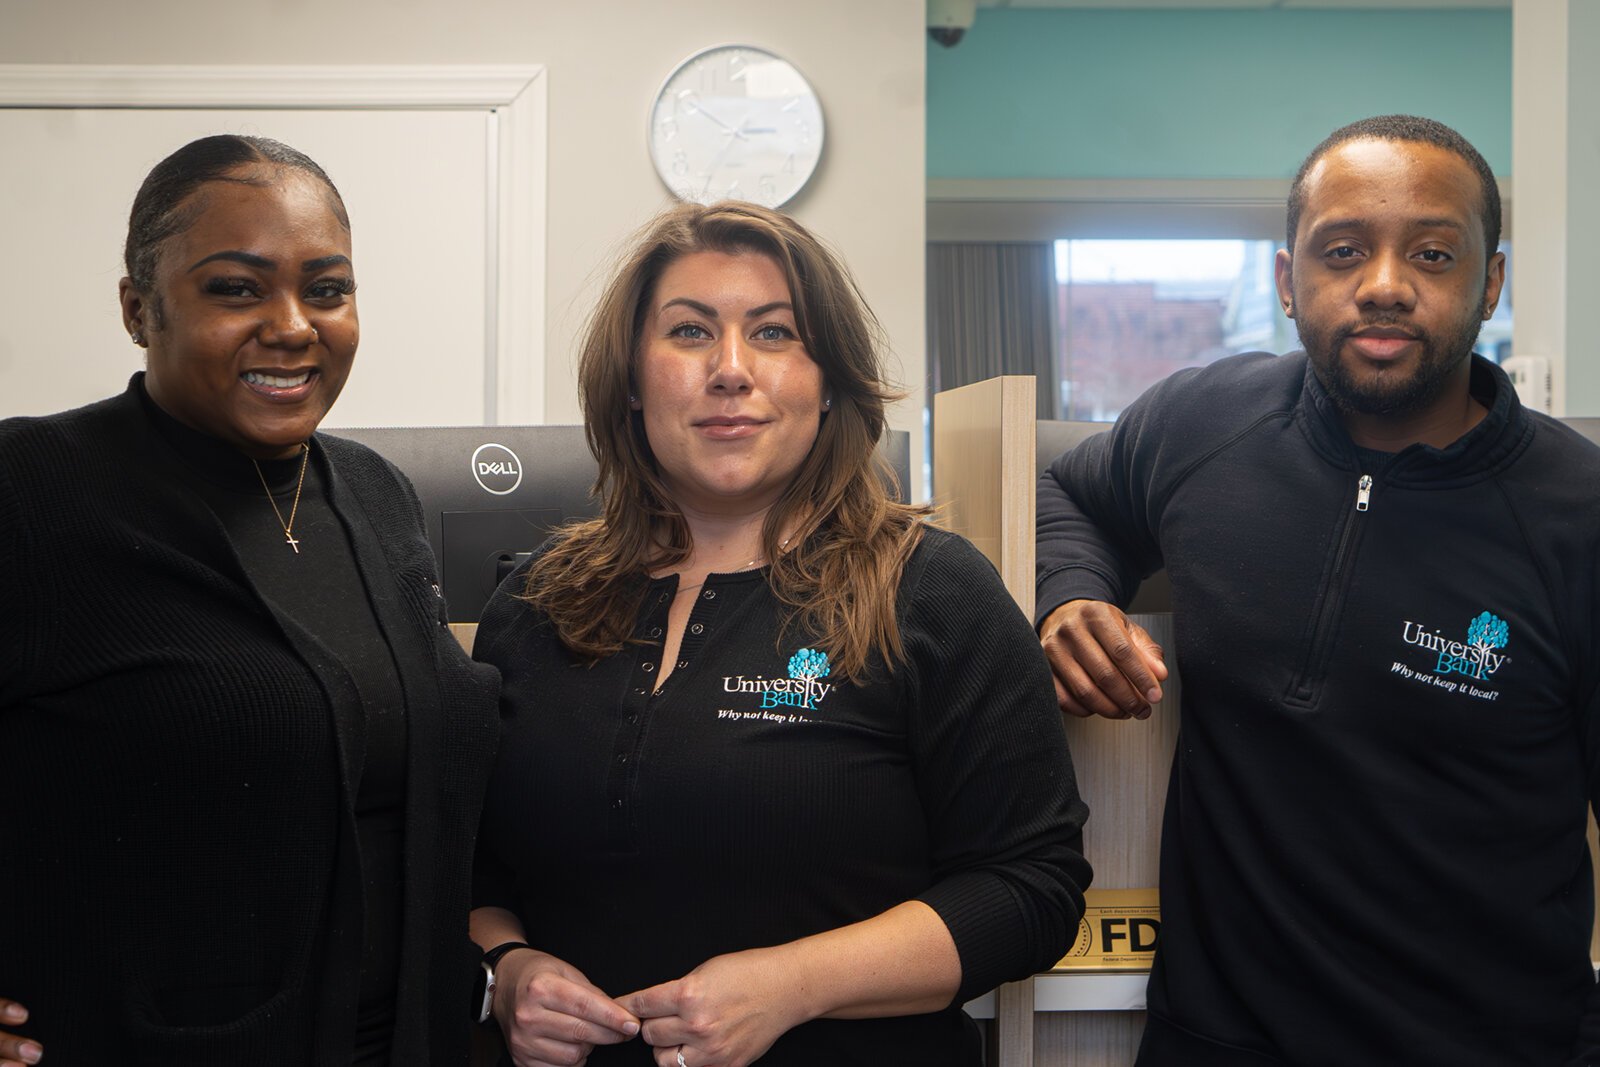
(317, 584)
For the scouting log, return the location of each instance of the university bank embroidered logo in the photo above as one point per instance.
(1476, 658)
(784, 699)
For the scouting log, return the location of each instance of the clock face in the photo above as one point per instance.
(735, 123)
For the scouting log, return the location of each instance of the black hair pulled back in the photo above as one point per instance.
(163, 206)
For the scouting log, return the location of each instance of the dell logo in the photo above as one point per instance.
(497, 469)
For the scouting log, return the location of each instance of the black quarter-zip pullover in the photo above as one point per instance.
(1374, 847)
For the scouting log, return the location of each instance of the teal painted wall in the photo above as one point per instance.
(1079, 93)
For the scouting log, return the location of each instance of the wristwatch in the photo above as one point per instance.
(491, 960)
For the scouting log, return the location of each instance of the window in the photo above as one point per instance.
(1131, 312)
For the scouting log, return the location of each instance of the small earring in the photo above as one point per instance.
(632, 399)
(827, 403)
(136, 337)
(315, 337)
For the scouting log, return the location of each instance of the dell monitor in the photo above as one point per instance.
(492, 494)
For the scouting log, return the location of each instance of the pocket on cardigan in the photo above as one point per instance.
(218, 1025)
(211, 1006)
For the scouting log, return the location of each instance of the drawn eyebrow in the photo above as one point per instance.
(249, 259)
(711, 313)
(324, 263)
(694, 305)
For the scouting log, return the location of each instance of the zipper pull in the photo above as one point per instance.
(1364, 492)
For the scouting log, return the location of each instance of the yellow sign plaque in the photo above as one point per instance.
(1117, 934)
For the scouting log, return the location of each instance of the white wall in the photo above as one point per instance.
(1556, 160)
(605, 59)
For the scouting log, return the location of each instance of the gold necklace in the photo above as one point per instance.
(288, 527)
(745, 567)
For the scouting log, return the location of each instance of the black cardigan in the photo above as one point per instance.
(179, 756)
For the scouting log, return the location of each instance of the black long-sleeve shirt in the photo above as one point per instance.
(758, 798)
(1374, 847)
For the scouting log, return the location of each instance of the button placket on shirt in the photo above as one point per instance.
(706, 607)
(641, 699)
(621, 778)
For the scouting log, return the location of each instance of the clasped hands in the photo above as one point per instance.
(725, 1013)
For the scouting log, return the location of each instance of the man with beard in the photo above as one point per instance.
(1384, 578)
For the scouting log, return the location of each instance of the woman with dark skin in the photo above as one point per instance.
(251, 753)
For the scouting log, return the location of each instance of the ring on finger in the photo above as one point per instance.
(681, 1062)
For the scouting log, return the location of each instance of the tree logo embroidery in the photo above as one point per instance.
(1476, 657)
(1486, 633)
(808, 663)
(803, 689)
(808, 667)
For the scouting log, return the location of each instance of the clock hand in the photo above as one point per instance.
(711, 170)
(699, 108)
(726, 148)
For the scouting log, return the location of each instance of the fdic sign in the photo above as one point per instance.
(1118, 932)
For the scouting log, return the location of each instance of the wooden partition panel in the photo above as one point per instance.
(983, 475)
(1122, 769)
(986, 465)
(984, 471)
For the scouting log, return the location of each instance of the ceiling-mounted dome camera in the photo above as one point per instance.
(949, 20)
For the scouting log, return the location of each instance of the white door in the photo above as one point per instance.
(431, 234)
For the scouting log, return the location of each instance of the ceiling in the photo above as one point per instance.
(1253, 4)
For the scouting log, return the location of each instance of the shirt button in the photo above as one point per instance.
(622, 757)
(656, 632)
(617, 803)
(648, 667)
(709, 594)
(633, 720)
(639, 691)
(697, 628)
(683, 663)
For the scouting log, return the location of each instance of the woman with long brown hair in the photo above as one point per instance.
(781, 776)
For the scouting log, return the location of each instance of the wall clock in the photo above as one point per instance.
(736, 123)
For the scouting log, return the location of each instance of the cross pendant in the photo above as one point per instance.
(292, 543)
